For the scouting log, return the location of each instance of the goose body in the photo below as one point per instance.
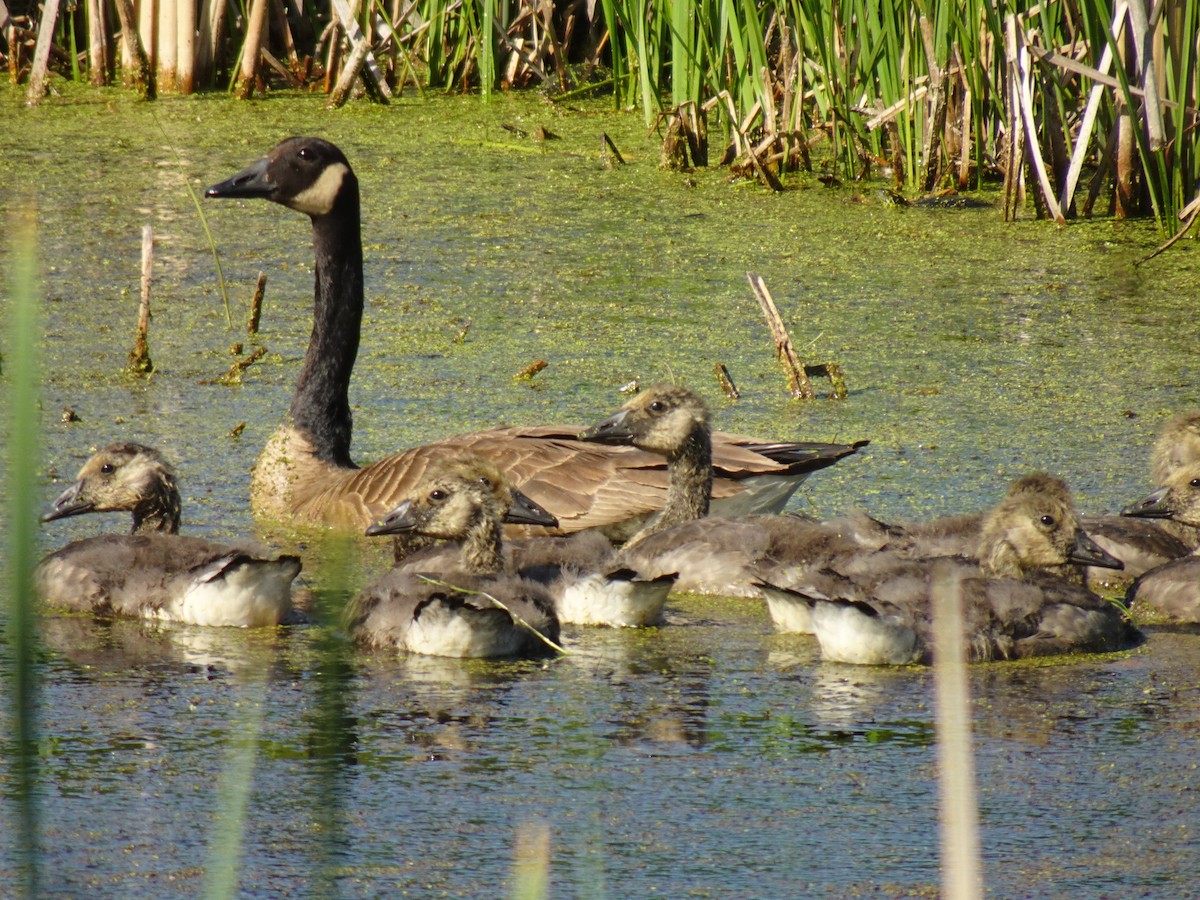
(712, 554)
(155, 573)
(432, 606)
(306, 474)
(874, 608)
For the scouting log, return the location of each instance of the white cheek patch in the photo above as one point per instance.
(318, 198)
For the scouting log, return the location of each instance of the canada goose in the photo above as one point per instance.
(305, 472)
(712, 555)
(586, 583)
(875, 609)
(155, 573)
(448, 610)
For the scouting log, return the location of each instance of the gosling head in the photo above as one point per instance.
(661, 419)
(454, 497)
(1036, 526)
(1178, 498)
(1178, 445)
(124, 476)
(306, 174)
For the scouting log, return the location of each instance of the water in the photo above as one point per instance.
(709, 757)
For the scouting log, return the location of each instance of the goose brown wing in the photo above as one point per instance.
(583, 484)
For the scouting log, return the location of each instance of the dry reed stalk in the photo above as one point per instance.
(97, 44)
(147, 13)
(139, 357)
(138, 69)
(607, 146)
(372, 78)
(248, 72)
(168, 37)
(41, 53)
(1088, 123)
(798, 383)
(527, 373)
(260, 288)
(725, 380)
(959, 809)
(185, 45)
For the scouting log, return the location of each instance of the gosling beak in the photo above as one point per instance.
(526, 512)
(1153, 506)
(68, 503)
(613, 430)
(398, 520)
(1087, 552)
(252, 181)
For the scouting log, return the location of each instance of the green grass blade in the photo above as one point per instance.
(22, 367)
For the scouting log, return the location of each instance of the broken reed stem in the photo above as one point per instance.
(607, 146)
(260, 288)
(798, 383)
(545, 640)
(959, 811)
(726, 381)
(527, 373)
(139, 357)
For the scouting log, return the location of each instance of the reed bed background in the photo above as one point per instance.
(1085, 105)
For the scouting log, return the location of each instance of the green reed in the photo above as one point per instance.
(920, 86)
(22, 367)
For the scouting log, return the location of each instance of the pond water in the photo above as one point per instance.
(709, 757)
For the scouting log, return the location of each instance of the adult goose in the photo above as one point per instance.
(586, 582)
(875, 608)
(711, 554)
(154, 572)
(306, 473)
(448, 607)
(1172, 589)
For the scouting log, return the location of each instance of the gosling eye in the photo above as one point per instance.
(1195, 482)
(437, 495)
(1048, 521)
(657, 406)
(107, 469)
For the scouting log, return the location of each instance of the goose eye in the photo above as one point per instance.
(1048, 521)
(307, 153)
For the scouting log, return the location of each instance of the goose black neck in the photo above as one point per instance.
(321, 405)
(158, 511)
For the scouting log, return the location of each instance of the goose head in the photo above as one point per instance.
(1178, 498)
(661, 419)
(1036, 526)
(306, 174)
(123, 476)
